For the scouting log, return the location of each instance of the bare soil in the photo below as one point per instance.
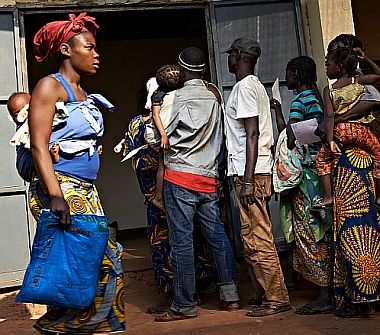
(141, 293)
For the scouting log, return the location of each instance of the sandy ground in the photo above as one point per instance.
(141, 293)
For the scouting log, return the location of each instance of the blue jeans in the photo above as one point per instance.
(181, 205)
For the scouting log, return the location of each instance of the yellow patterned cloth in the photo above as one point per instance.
(356, 276)
(344, 98)
(107, 311)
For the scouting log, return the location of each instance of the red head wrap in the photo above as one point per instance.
(50, 37)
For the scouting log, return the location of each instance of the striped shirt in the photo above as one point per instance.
(306, 106)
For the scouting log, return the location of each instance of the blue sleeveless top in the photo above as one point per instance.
(77, 135)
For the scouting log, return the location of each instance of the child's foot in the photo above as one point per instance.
(159, 203)
(322, 203)
(54, 152)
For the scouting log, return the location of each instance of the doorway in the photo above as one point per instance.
(132, 45)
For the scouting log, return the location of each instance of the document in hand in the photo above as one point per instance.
(304, 131)
(134, 152)
(276, 90)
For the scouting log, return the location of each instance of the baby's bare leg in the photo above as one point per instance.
(327, 189)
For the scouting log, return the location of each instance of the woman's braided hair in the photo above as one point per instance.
(305, 70)
(346, 58)
(347, 42)
(169, 77)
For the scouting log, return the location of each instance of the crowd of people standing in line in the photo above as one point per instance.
(190, 136)
(323, 253)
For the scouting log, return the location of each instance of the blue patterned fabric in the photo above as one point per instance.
(356, 231)
(83, 123)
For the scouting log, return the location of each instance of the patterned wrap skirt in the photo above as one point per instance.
(356, 231)
(107, 311)
(311, 233)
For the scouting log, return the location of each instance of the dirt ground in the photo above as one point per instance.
(15, 318)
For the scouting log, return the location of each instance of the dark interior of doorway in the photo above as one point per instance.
(132, 45)
(126, 25)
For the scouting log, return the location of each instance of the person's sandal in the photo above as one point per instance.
(229, 306)
(172, 316)
(255, 302)
(310, 310)
(268, 309)
(157, 309)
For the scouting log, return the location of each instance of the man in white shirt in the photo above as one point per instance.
(249, 139)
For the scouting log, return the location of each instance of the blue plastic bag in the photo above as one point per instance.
(65, 263)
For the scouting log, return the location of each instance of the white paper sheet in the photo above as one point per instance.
(304, 131)
(276, 90)
(134, 152)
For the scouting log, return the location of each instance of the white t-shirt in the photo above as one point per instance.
(248, 99)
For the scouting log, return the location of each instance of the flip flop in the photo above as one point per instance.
(255, 302)
(268, 309)
(172, 316)
(229, 306)
(309, 310)
(156, 309)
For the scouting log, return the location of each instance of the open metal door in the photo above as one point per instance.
(276, 25)
(15, 233)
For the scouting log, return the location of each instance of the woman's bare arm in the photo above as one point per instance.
(357, 111)
(41, 112)
(368, 79)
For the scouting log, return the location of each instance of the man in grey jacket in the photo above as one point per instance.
(195, 137)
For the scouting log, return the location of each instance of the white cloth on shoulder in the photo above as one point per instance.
(287, 169)
(22, 137)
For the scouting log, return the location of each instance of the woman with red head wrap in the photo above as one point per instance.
(49, 38)
(67, 188)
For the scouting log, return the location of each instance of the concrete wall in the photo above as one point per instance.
(323, 20)
(312, 27)
(336, 18)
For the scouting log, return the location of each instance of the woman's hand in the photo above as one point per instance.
(360, 54)
(274, 104)
(165, 143)
(59, 206)
(99, 149)
(334, 148)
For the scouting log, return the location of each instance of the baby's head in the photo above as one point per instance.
(16, 102)
(169, 77)
(341, 61)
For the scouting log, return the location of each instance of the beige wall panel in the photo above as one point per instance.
(314, 37)
(7, 3)
(336, 18)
